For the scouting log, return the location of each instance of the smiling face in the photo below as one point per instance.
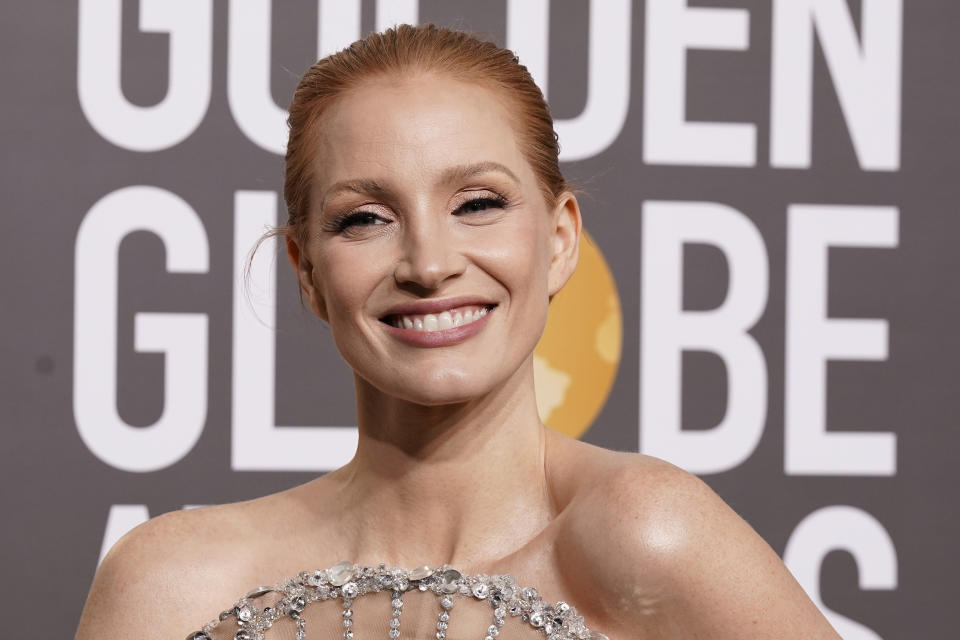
(429, 247)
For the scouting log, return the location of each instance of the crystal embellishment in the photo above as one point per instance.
(345, 581)
(341, 573)
(244, 613)
(420, 573)
(449, 579)
(350, 590)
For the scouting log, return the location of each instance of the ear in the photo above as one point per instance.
(304, 270)
(565, 241)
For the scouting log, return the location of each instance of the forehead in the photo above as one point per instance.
(409, 130)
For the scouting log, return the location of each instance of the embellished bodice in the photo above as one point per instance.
(290, 605)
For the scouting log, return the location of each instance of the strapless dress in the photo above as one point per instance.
(288, 608)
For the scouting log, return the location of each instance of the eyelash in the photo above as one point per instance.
(357, 218)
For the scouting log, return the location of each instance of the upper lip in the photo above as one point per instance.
(419, 307)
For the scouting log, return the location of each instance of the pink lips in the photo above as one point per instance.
(443, 337)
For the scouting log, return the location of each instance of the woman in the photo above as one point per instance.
(429, 226)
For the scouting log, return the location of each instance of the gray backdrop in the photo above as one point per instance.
(771, 183)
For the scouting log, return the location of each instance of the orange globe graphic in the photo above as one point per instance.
(576, 360)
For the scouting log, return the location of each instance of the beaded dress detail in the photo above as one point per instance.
(260, 616)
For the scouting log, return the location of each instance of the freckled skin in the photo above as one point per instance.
(453, 464)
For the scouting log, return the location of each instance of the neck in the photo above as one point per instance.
(463, 484)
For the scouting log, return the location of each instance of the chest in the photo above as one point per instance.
(535, 575)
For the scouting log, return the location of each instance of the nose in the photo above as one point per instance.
(429, 255)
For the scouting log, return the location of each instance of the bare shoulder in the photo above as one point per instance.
(169, 575)
(672, 559)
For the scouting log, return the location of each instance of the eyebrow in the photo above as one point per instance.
(451, 174)
(466, 171)
(356, 186)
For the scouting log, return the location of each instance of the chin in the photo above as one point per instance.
(440, 388)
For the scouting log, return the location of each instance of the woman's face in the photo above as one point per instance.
(429, 248)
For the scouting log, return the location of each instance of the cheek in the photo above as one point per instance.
(517, 255)
(345, 276)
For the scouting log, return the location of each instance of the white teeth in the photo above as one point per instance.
(441, 321)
